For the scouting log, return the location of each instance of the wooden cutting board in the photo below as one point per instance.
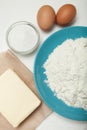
(9, 60)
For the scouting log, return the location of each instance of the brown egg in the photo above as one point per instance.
(65, 14)
(46, 17)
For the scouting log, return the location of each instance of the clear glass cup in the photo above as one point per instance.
(22, 37)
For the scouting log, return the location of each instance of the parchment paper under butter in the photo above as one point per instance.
(9, 60)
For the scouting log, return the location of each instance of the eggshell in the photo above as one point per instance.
(65, 14)
(46, 17)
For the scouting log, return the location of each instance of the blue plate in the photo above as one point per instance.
(46, 94)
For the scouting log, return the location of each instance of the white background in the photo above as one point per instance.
(26, 10)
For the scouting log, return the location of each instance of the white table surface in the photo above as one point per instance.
(26, 10)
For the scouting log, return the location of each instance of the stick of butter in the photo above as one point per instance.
(17, 101)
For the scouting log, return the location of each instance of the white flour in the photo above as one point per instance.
(66, 70)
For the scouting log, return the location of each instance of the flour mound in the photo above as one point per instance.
(66, 71)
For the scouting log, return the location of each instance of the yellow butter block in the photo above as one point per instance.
(17, 101)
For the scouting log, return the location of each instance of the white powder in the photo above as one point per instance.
(22, 37)
(66, 71)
